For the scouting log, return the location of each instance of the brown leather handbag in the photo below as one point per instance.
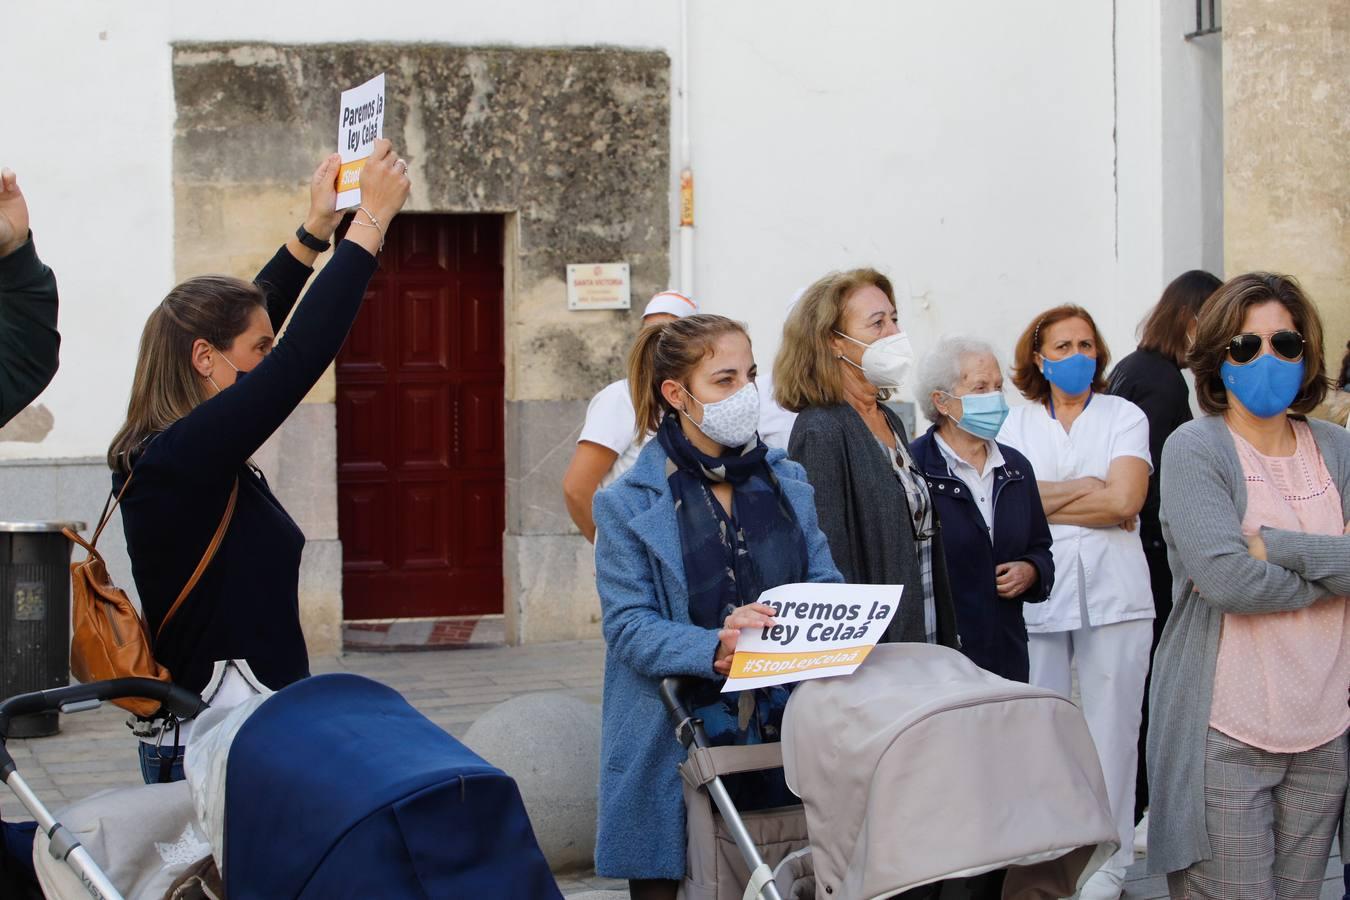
(109, 639)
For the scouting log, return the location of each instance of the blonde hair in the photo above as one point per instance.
(166, 386)
(806, 371)
(669, 352)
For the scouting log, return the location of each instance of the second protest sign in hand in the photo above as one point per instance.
(819, 630)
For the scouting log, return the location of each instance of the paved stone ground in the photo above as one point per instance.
(452, 688)
(423, 634)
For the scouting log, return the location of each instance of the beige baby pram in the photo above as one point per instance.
(919, 767)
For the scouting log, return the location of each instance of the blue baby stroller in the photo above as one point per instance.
(336, 787)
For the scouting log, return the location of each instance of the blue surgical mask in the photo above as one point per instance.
(1266, 385)
(981, 414)
(1073, 374)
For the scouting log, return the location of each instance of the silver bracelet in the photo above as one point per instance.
(373, 223)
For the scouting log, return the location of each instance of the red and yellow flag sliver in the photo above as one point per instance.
(758, 665)
(349, 175)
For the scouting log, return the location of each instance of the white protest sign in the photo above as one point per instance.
(360, 122)
(819, 630)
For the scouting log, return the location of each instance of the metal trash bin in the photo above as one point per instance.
(34, 616)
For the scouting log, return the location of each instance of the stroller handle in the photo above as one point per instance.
(688, 728)
(671, 689)
(181, 702)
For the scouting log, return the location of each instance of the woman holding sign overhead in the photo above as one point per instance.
(706, 520)
(183, 460)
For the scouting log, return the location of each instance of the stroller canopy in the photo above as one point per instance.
(337, 787)
(921, 766)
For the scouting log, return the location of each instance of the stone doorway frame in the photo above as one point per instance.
(570, 145)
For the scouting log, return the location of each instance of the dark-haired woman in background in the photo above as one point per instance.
(1337, 407)
(1151, 379)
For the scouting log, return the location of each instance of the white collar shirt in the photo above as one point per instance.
(1098, 571)
(980, 483)
(611, 422)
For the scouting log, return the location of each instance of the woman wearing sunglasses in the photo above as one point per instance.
(1090, 454)
(1248, 714)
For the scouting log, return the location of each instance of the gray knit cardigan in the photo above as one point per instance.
(1204, 497)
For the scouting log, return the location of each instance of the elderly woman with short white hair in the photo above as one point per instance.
(996, 537)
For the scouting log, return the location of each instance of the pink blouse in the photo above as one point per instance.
(1282, 678)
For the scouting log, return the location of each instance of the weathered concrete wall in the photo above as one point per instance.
(571, 144)
(1286, 71)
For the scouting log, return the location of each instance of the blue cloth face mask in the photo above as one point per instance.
(981, 414)
(1266, 385)
(1073, 374)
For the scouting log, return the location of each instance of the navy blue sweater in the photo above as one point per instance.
(246, 605)
(28, 338)
(993, 633)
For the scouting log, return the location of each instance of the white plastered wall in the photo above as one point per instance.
(994, 158)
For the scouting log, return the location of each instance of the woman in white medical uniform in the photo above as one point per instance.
(1091, 455)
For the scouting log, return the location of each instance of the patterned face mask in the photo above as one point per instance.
(731, 422)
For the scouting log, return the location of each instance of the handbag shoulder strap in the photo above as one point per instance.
(206, 558)
(109, 507)
(111, 504)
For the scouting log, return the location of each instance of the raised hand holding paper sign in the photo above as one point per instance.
(360, 122)
(819, 630)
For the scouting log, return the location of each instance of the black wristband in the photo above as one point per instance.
(310, 240)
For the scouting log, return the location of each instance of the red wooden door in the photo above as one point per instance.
(421, 462)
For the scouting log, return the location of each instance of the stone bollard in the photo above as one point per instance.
(550, 744)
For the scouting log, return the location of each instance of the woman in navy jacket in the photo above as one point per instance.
(994, 530)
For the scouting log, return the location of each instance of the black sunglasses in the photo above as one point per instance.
(1244, 348)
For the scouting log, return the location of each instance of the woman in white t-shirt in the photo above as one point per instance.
(1091, 456)
(609, 443)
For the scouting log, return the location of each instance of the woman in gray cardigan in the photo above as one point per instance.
(1247, 744)
(842, 353)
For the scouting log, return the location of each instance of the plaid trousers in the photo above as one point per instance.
(1271, 819)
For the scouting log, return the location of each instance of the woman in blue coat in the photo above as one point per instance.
(686, 541)
(994, 530)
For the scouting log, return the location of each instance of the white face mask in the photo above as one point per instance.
(733, 421)
(886, 361)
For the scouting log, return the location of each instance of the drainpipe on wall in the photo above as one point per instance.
(686, 168)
